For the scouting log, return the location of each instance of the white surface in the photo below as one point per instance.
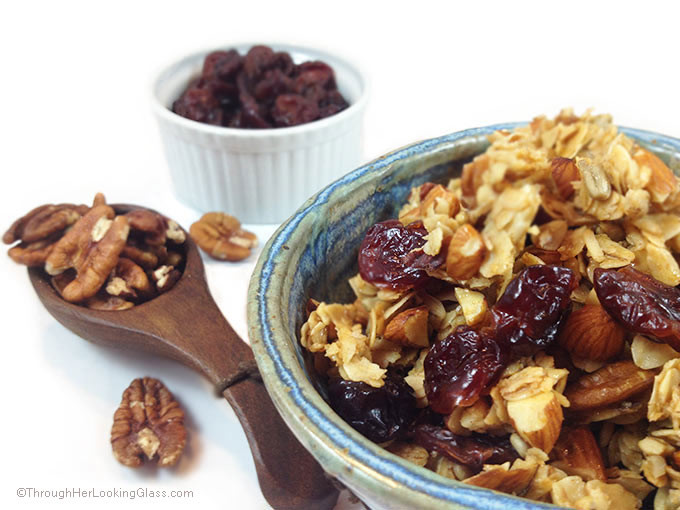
(259, 175)
(76, 120)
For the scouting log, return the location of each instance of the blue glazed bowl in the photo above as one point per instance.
(312, 255)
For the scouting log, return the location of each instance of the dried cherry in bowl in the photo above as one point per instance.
(312, 255)
(257, 175)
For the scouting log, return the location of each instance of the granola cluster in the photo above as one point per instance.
(578, 405)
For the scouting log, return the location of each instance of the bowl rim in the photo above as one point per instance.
(347, 448)
(170, 68)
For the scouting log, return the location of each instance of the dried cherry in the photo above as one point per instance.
(263, 89)
(473, 451)
(222, 65)
(459, 368)
(258, 59)
(641, 303)
(380, 414)
(389, 256)
(534, 306)
(273, 83)
(293, 109)
(199, 103)
(284, 62)
(462, 366)
(313, 74)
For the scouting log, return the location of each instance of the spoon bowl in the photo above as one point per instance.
(185, 324)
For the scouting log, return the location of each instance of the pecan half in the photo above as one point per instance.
(141, 254)
(149, 422)
(611, 384)
(39, 230)
(92, 248)
(150, 225)
(128, 280)
(33, 254)
(108, 303)
(221, 237)
(43, 222)
(165, 278)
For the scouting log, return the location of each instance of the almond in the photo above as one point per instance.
(591, 333)
(409, 328)
(499, 478)
(466, 253)
(662, 182)
(609, 385)
(442, 200)
(577, 453)
(537, 419)
(564, 172)
(472, 178)
(675, 459)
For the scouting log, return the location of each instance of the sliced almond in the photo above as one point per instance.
(537, 419)
(648, 354)
(591, 333)
(609, 385)
(500, 478)
(473, 304)
(550, 236)
(577, 453)
(409, 328)
(466, 253)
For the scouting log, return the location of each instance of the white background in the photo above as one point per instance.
(75, 119)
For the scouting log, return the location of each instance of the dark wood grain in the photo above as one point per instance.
(185, 324)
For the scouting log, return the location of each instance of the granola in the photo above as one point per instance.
(580, 408)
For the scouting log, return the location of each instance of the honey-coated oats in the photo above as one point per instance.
(592, 419)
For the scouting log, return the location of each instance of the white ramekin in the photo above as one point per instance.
(258, 175)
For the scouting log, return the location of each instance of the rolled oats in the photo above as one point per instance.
(570, 191)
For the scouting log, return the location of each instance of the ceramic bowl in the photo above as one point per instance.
(258, 175)
(312, 255)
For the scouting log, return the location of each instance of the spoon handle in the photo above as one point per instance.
(290, 478)
(187, 325)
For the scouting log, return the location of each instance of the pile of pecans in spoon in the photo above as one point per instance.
(98, 258)
(519, 327)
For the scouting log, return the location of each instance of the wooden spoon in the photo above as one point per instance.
(186, 325)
